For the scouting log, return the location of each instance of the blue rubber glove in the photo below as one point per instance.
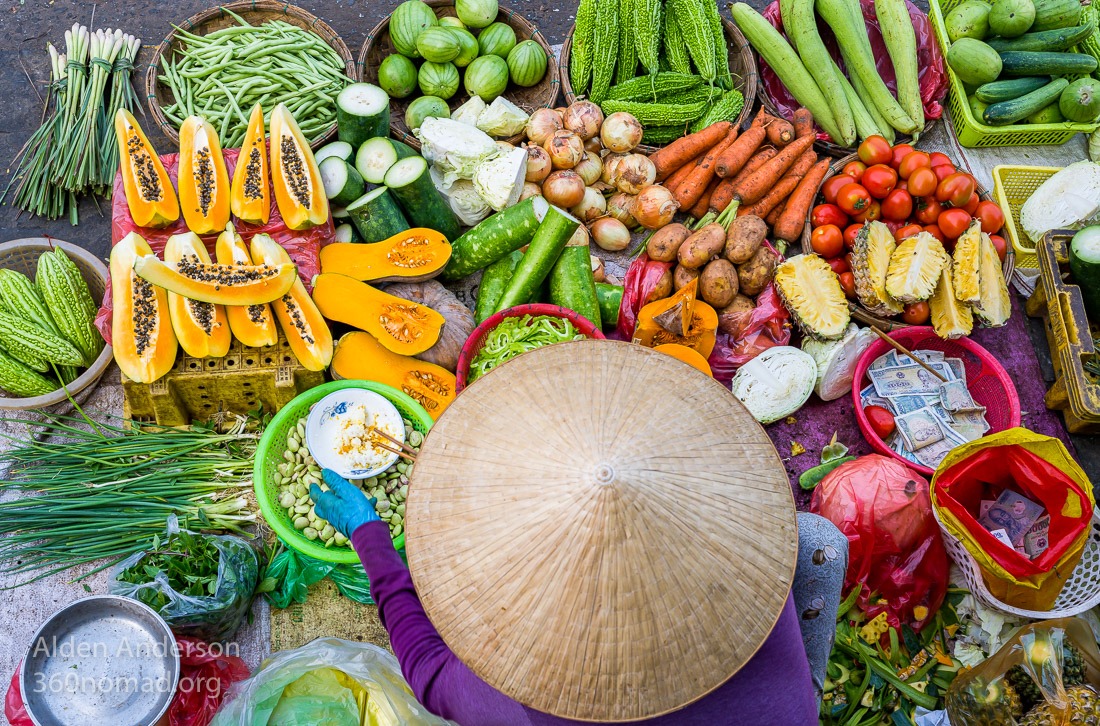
(343, 505)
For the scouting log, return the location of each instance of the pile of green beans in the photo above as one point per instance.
(221, 76)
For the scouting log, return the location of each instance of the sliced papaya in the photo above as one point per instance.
(359, 356)
(250, 198)
(303, 325)
(202, 328)
(299, 191)
(202, 180)
(253, 325)
(149, 193)
(219, 284)
(141, 330)
(402, 326)
(414, 255)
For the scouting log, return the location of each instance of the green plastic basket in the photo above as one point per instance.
(269, 454)
(974, 134)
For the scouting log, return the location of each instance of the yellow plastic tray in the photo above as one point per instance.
(1012, 186)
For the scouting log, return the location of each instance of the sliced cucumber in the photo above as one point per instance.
(1084, 266)
(341, 149)
(377, 216)
(377, 155)
(345, 233)
(545, 249)
(495, 237)
(424, 206)
(339, 213)
(362, 112)
(342, 182)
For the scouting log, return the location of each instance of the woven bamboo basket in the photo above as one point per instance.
(858, 311)
(541, 95)
(255, 12)
(22, 255)
(742, 67)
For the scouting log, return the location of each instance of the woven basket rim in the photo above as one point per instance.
(244, 8)
(401, 132)
(739, 49)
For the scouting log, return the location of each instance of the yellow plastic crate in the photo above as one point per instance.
(1012, 185)
(974, 134)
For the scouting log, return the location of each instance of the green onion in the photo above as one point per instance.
(516, 336)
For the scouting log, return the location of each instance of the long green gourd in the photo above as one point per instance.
(605, 48)
(675, 50)
(580, 60)
(901, 44)
(628, 54)
(801, 26)
(884, 127)
(721, 49)
(864, 121)
(647, 33)
(697, 35)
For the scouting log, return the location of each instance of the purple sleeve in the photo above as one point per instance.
(438, 678)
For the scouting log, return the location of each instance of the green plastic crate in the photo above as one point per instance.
(974, 134)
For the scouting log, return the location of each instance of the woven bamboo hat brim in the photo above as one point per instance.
(600, 531)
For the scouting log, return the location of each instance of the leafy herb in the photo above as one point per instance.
(188, 561)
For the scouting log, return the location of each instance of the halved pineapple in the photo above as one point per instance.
(812, 293)
(915, 267)
(870, 263)
(950, 318)
(994, 307)
(964, 271)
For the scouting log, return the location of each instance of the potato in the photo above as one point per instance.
(662, 290)
(733, 317)
(664, 243)
(682, 276)
(698, 249)
(754, 275)
(744, 238)
(741, 304)
(718, 283)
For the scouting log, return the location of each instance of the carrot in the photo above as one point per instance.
(803, 122)
(762, 118)
(689, 190)
(737, 155)
(682, 173)
(793, 219)
(776, 195)
(683, 150)
(760, 181)
(804, 163)
(773, 216)
(765, 154)
(780, 132)
(703, 205)
(723, 195)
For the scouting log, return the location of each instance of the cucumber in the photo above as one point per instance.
(572, 285)
(611, 298)
(1009, 112)
(376, 156)
(342, 182)
(362, 112)
(341, 149)
(1007, 90)
(339, 213)
(545, 248)
(1053, 14)
(377, 216)
(1024, 63)
(347, 233)
(1084, 266)
(493, 281)
(412, 186)
(494, 238)
(1050, 41)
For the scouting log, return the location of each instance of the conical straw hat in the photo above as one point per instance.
(600, 531)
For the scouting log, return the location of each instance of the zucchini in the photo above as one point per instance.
(424, 206)
(362, 112)
(1015, 64)
(376, 156)
(610, 298)
(1008, 112)
(493, 281)
(377, 216)
(20, 380)
(495, 237)
(1007, 90)
(545, 248)
(1050, 41)
(801, 26)
(342, 182)
(341, 149)
(572, 285)
(1084, 266)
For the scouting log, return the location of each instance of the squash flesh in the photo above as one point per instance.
(299, 192)
(253, 325)
(142, 339)
(149, 193)
(250, 195)
(201, 328)
(203, 181)
(680, 320)
(414, 255)
(360, 356)
(687, 355)
(219, 284)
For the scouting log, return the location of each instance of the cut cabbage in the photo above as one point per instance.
(775, 383)
(463, 199)
(502, 118)
(836, 361)
(499, 181)
(1068, 200)
(456, 148)
(469, 112)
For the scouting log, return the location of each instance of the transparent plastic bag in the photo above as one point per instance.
(321, 683)
(291, 573)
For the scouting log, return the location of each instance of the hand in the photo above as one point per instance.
(343, 505)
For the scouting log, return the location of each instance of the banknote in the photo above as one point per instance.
(867, 397)
(904, 381)
(928, 356)
(919, 428)
(957, 367)
(1014, 513)
(889, 359)
(1035, 540)
(901, 405)
(933, 454)
(955, 397)
(1002, 535)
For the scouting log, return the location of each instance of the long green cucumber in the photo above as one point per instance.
(1008, 112)
(493, 281)
(377, 216)
(424, 206)
(801, 27)
(610, 298)
(572, 285)
(865, 123)
(547, 244)
(343, 184)
(998, 91)
(494, 238)
(901, 44)
(1020, 63)
(884, 127)
(1045, 40)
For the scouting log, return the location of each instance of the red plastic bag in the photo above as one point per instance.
(641, 277)
(14, 709)
(895, 551)
(205, 677)
(930, 64)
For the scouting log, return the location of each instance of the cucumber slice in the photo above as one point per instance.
(611, 298)
(341, 181)
(572, 284)
(424, 206)
(377, 155)
(338, 213)
(345, 233)
(545, 248)
(377, 216)
(1084, 266)
(341, 149)
(495, 238)
(362, 112)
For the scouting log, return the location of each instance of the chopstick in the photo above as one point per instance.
(905, 351)
(407, 451)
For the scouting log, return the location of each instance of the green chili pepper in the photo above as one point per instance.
(812, 477)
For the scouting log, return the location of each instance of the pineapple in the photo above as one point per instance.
(950, 318)
(813, 295)
(1073, 671)
(915, 267)
(870, 263)
(964, 272)
(994, 307)
(986, 702)
(1082, 707)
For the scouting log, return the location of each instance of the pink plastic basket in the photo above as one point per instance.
(477, 338)
(987, 380)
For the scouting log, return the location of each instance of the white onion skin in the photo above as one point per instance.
(564, 188)
(591, 207)
(621, 207)
(621, 132)
(542, 125)
(654, 207)
(590, 167)
(634, 173)
(598, 272)
(610, 234)
(565, 149)
(538, 164)
(583, 118)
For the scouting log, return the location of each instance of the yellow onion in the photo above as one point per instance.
(530, 189)
(565, 149)
(634, 173)
(621, 132)
(583, 118)
(590, 167)
(621, 207)
(609, 175)
(654, 207)
(592, 206)
(564, 188)
(593, 145)
(538, 164)
(610, 234)
(542, 125)
(597, 269)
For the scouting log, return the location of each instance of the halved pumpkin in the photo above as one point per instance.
(202, 180)
(250, 199)
(679, 319)
(253, 325)
(305, 329)
(414, 255)
(294, 174)
(219, 284)
(141, 331)
(402, 326)
(360, 356)
(686, 355)
(149, 192)
(202, 328)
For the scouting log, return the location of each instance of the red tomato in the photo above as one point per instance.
(913, 161)
(829, 214)
(943, 171)
(956, 189)
(853, 199)
(899, 153)
(915, 313)
(850, 258)
(870, 214)
(839, 265)
(991, 215)
(881, 421)
(972, 205)
(879, 180)
(903, 184)
(935, 231)
(897, 205)
(892, 225)
(907, 231)
(922, 182)
(875, 150)
(833, 185)
(850, 234)
(999, 245)
(854, 169)
(827, 240)
(953, 222)
(926, 209)
(940, 159)
(848, 285)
